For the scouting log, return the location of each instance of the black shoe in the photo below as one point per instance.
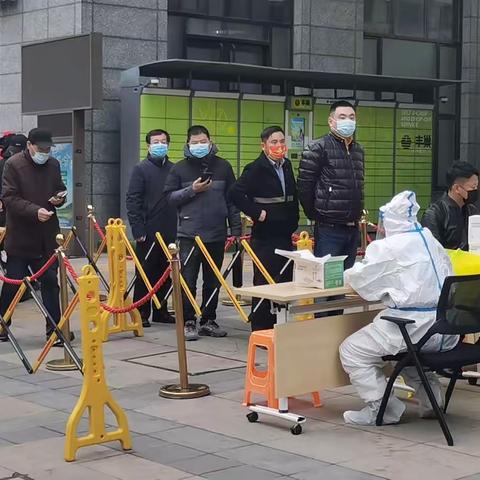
(164, 319)
(59, 343)
(211, 329)
(146, 323)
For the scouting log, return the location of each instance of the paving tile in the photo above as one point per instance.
(71, 471)
(241, 473)
(141, 423)
(33, 457)
(271, 459)
(220, 416)
(426, 461)
(62, 383)
(335, 444)
(162, 452)
(15, 387)
(29, 435)
(334, 472)
(128, 467)
(17, 407)
(199, 439)
(205, 464)
(53, 399)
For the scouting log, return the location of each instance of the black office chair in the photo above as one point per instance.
(458, 313)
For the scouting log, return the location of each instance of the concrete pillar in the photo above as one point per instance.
(470, 105)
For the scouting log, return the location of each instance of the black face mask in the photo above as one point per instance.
(472, 197)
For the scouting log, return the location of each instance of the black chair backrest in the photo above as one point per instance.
(458, 310)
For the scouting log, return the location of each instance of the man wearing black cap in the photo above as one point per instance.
(31, 190)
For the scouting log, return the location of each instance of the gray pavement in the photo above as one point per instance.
(210, 437)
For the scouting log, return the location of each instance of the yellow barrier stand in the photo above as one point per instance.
(220, 278)
(305, 243)
(117, 265)
(65, 317)
(257, 262)
(183, 283)
(95, 395)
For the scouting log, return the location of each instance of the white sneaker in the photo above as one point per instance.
(368, 415)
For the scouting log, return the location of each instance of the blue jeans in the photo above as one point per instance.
(336, 241)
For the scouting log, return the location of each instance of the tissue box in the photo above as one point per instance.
(310, 271)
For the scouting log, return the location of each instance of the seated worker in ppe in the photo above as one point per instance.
(405, 271)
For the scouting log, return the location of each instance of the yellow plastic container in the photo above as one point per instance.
(464, 263)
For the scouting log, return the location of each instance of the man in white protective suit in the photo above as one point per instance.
(405, 271)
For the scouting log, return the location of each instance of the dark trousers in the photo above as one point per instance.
(154, 268)
(190, 273)
(17, 268)
(341, 240)
(263, 318)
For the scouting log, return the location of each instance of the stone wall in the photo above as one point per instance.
(135, 32)
(328, 35)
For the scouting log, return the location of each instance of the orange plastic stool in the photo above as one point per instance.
(263, 381)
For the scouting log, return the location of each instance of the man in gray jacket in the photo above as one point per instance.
(198, 186)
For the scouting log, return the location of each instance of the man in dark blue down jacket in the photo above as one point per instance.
(149, 212)
(198, 186)
(330, 185)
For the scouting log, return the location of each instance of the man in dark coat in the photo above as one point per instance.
(149, 213)
(267, 193)
(198, 186)
(30, 192)
(330, 185)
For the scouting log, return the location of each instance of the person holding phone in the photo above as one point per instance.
(267, 193)
(197, 186)
(32, 189)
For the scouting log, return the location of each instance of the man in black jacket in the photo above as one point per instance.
(267, 193)
(148, 212)
(197, 186)
(447, 218)
(330, 185)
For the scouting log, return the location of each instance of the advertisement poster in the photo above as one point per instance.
(297, 132)
(63, 152)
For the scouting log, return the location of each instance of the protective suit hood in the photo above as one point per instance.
(400, 214)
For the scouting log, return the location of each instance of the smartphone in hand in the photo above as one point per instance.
(206, 176)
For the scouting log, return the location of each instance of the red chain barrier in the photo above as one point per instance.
(230, 241)
(70, 269)
(98, 229)
(145, 299)
(34, 277)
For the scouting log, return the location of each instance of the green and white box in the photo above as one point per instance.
(319, 272)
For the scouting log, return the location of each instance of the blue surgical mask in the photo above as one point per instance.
(199, 150)
(346, 127)
(158, 150)
(40, 158)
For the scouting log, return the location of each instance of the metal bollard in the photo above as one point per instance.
(184, 389)
(65, 363)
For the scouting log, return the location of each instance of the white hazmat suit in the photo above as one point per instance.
(405, 271)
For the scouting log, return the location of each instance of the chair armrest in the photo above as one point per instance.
(398, 320)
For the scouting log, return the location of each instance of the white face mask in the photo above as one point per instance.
(40, 158)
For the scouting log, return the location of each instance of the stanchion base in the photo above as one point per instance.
(194, 390)
(60, 365)
(243, 303)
